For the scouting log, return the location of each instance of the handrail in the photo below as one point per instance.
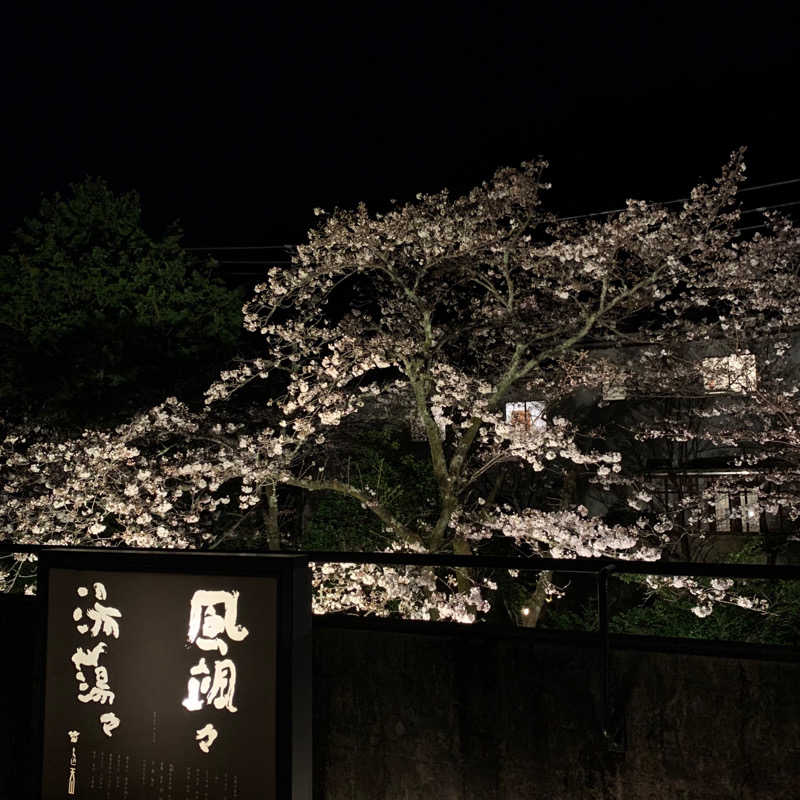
(612, 723)
(574, 565)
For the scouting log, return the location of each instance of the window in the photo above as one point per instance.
(614, 388)
(731, 373)
(734, 511)
(743, 505)
(527, 415)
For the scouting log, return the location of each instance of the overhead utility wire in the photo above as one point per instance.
(769, 185)
(684, 199)
(247, 247)
(561, 219)
(270, 262)
(746, 211)
(775, 205)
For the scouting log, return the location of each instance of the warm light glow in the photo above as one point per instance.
(527, 415)
(732, 373)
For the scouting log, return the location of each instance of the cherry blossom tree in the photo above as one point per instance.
(437, 313)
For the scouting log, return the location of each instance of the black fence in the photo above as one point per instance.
(611, 720)
(600, 568)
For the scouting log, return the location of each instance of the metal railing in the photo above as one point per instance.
(611, 721)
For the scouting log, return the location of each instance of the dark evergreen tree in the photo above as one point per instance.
(97, 317)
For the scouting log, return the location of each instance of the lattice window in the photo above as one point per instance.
(734, 511)
(614, 388)
(528, 415)
(731, 373)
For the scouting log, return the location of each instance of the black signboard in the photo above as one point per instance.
(172, 676)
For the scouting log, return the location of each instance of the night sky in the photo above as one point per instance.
(240, 121)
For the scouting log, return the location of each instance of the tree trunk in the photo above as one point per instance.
(461, 548)
(535, 602)
(271, 518)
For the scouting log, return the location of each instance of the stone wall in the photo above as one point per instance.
(414, 715)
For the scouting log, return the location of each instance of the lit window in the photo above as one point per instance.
(527, 415)
(733, 373)
(742, 505)
(614, 388)
(736, 510)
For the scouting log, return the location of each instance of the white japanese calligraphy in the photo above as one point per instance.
(103, 617)
(206, 625)
(217, 690)
(205, 737)
(109, 722)
(88, 658)
(101, 691)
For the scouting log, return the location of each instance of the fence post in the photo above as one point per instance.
(612, 723)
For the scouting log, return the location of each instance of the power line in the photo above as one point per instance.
(271, 263)
(261, 263)
(245, 247)
(683, 200)
(775, 205)
(289, 247)
(769, 185)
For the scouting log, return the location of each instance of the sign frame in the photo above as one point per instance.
(293, 696)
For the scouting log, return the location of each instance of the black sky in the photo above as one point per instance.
(240, 121)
